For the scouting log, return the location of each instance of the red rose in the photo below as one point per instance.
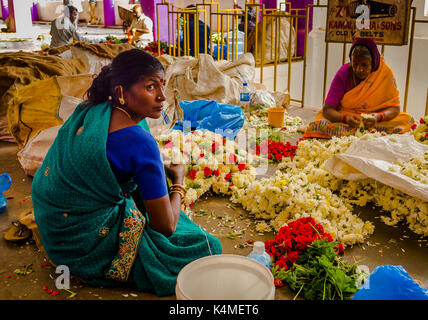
(278, 283)
(201, 155)
(302, 242)
(241, 166)
(192, 173)
(168, 146)
(232, 158)
(293, 256)
(214, 146)
(421, 121)
(414, 126)
(216, 172)
(228, 176)
(306, 229)
(207, 172)
(340, 249)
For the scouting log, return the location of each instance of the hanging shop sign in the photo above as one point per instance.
(385, 21)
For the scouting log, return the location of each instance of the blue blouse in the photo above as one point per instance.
(134, 154)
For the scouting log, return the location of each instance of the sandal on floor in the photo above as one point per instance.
(18, 231)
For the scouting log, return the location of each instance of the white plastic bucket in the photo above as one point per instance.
(225, 277)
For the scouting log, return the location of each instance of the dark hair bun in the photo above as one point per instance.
(126, 69)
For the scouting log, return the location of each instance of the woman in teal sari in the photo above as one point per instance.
(101, 199)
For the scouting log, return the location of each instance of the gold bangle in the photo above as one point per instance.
(179, 192)
(180, 186)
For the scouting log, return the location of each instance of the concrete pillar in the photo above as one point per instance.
(20, 17)
(4, 9)
(109, 18)
(34, 11)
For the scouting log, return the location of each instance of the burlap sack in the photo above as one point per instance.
(36, 107)
(19, 69)
(204, 78)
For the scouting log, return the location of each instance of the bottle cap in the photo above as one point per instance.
(259, 247)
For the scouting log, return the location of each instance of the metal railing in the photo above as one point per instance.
(229, 27)
(268, 22)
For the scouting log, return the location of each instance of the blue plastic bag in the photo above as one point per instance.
(5, 183)
(225, 119)
(390, 283)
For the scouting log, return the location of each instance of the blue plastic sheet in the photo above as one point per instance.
(5, 183)
(224, 119)
(390, 283)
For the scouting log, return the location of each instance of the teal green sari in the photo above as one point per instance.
(91, 223)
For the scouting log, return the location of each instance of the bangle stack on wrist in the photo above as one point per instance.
(180, 189)
(342, 120)
(382, 114)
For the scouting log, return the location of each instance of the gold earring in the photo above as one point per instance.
(121, 99)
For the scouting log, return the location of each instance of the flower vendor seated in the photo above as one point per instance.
(141, 27)
(363, 92)
(101, 198)
(203, 39)
(64, 30)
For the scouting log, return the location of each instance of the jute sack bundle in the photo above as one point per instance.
(37, 106)
(204, 78)
(19, 69)
(32, 155)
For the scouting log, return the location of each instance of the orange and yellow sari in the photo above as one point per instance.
(377, 92)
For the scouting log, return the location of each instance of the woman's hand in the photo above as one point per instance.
(175, 172)
(352, 121)
(369, 123)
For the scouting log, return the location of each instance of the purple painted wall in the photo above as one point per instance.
(4, 9)
(297, 4)
(270, 4)
(109, 19)
(149, 9)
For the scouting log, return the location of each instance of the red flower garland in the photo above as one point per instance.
(276, 150)
(292, 239)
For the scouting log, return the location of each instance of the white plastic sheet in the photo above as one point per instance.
(372, 158)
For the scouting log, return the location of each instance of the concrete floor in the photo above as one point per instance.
(388, 245)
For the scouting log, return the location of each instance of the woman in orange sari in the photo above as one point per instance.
(363, 92)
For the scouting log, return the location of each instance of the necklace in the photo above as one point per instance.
(353, 78)
(123, 110)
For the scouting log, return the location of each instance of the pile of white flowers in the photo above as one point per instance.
(421, 131)
(416, 168)
(300, 187)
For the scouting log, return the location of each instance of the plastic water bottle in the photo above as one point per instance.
(259, 254)
(244, 99)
